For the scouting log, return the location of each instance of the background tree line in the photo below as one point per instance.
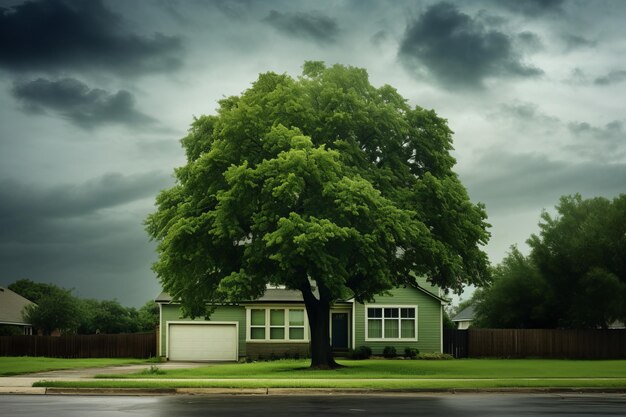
(574, 276)
(58, 309)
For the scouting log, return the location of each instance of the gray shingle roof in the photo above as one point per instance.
(281, 295)
(271, 295)
(467, 314)
(11, 306)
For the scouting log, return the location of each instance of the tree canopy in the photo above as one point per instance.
(323, 184)
(34, 291)
(58, 309)
(575, 275)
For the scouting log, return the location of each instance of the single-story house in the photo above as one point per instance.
(275, 325)
(464, 318)
(11, 306)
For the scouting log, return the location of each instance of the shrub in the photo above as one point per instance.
(434, 356)
(362, 352)
(411, 352)
(389, 352)
(153, 370)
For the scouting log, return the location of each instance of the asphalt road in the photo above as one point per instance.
(444, 405)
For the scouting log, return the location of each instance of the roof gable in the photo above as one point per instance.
(467, 314)
(11, 306)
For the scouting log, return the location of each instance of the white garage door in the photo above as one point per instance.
(202, 342)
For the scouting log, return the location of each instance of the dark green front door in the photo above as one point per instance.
(339, 332)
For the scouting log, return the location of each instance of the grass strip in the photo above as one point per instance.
(354, 384)
(399, 369)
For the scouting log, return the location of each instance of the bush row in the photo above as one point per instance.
(364, 352)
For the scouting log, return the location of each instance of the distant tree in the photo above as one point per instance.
(148, 316)
(324, 184)
(91, 315)
(581, 253)
(59, 310)
(32, 290)
(9, 330)
(518, 296)
(447, 320)
(574, 277)
(107, 316)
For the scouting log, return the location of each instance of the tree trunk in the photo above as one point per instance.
(318, 311)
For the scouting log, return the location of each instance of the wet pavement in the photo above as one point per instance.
(328, 405)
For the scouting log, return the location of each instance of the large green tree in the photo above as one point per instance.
(323, 184)
(575, 275)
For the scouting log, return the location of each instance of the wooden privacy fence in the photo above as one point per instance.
(129, 345)
(547, 343)
(455, 343)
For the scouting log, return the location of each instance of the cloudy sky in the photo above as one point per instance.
(95, 96)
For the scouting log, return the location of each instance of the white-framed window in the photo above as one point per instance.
(257, 324)
(392, 323)
(268, 324)
(296, 324)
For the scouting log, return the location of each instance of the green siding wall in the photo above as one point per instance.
(428, 321)
(172, 312)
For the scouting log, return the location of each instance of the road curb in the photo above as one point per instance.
(293, 391)
(110, 391)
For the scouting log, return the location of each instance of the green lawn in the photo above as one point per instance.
(16, 365)
(384, 385)
(403, 369)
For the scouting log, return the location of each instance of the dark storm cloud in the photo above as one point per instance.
(74, 35)
(100, 256)
(379, 37)
(509, 183)
(532, 8)
(79, 104)
(605, 143)
(236, 9)
(529, 41)
(24, 201)
(576, 42)
(527, 113)
(307, 25)
(81, 236)
(458, 50)
(612, 77)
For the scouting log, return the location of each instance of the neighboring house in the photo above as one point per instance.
(276, 325)
(463, 319)
(11, 306)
